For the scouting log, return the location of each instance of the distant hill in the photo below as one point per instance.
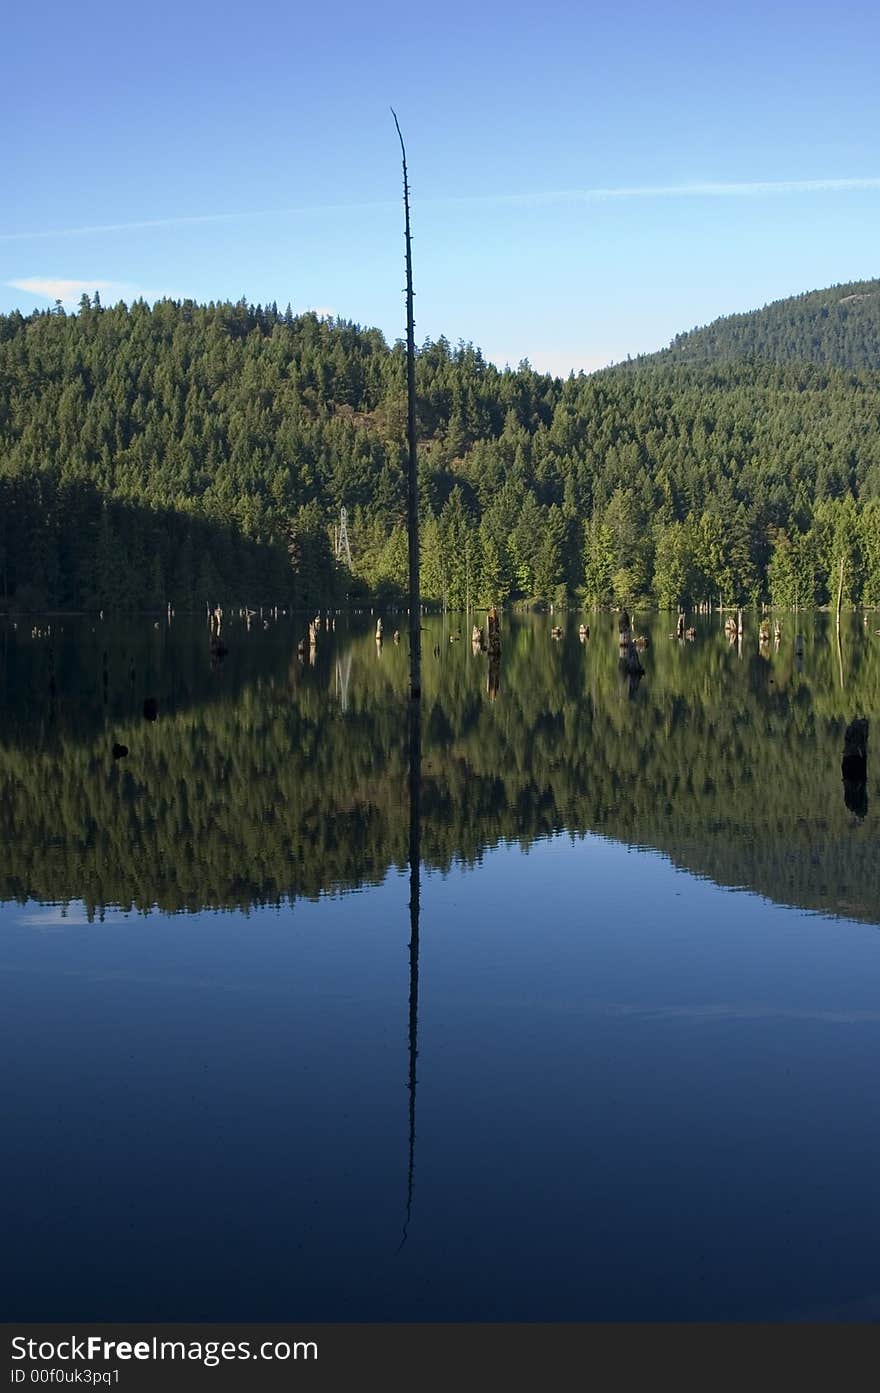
(838, 327)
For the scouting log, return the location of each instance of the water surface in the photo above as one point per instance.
(627, 1074)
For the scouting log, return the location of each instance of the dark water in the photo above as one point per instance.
(621, 1065)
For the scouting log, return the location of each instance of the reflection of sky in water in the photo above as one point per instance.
(639, 1096)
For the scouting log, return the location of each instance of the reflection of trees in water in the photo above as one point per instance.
(255, 783)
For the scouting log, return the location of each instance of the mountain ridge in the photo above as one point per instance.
(836, 326)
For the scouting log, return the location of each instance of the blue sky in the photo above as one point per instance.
(587, 179)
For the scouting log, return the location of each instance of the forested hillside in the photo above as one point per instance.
(838, 327)
(196, 454)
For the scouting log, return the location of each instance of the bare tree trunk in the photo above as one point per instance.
(415, 641)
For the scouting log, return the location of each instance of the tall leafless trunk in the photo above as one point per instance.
(412, 511)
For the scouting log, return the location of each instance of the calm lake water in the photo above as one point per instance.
(619, 1064)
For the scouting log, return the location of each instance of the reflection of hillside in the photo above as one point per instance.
(141, 658)
(730, 766)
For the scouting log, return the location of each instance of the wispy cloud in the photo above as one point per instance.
(187, 220)
(70, 292)
(536, 198)
(742, 189)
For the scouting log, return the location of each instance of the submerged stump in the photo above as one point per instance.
(493, 630)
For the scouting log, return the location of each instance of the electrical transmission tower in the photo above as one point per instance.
(342, 547)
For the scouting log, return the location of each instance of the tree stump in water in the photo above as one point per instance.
(493, 626)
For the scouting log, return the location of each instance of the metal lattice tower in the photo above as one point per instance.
(342, 547)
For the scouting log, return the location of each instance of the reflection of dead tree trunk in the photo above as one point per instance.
(412, 492)
(629, 661)
(840, 598)
(493, 675)
(415, 856)
(855, 750)
(493, 645)
(854, 767)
